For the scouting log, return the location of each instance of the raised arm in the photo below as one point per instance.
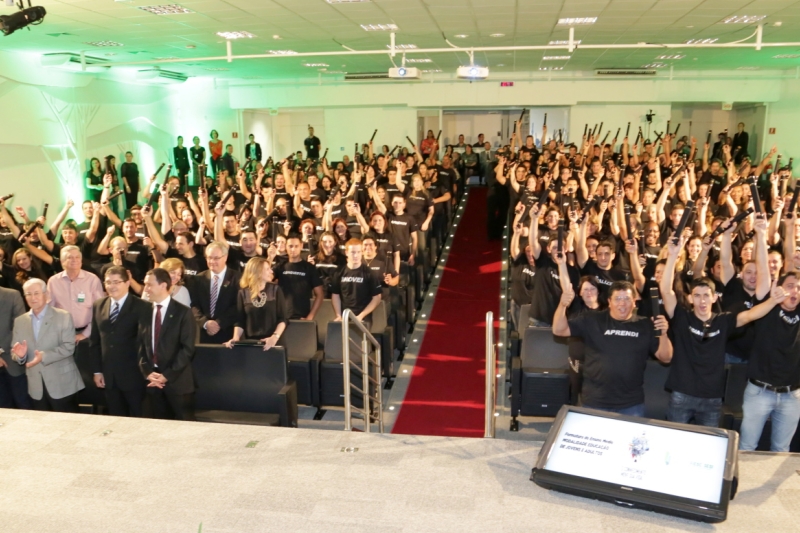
(668, 277)
(62, 216)
(533, 232)
(726, 257)
(763, 281)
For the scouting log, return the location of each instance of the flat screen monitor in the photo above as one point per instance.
(678, 469)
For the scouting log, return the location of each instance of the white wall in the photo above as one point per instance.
(346, 126)
(784, 116)
(54, 122)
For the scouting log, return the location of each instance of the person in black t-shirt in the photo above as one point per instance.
(697, 372)
(312, 144)
(356, 286)
(547, 282)
(618, 344)
(602, 268)
(300, 282)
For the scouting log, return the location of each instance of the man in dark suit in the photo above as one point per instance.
(214, 293)
(181, 156)
(13, 381)
(166, 350)
(116, 319)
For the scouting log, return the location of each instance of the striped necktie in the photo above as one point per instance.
(214, 290)
(114, 313)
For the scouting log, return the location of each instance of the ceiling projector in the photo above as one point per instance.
(404, 73)
(473, 72)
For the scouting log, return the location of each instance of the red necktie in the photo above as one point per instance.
(157, 331)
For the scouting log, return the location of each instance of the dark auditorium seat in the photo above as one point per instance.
(515, 336)
(323, 316)
(735, 383)
(90, 395)
(656, 397)
(331, 374)
(384, 334)
(244, 385)
(300, 341)
(539, 378)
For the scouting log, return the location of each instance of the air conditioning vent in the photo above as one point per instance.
(357, 76)
(165, 76)
(625, 72)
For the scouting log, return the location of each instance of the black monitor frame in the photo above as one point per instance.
(635, 497)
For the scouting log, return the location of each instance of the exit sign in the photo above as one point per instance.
(506, 84)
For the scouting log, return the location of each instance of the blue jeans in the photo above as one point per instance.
(634, 410)
(760, 404)
(734, 359)
(706, 411)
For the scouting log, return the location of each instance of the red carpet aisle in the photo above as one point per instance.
(446, 392)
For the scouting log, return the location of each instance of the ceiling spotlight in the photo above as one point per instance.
(30, 16)
(497, 35)
(461, 36)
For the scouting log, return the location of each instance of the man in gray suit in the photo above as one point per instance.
(13, 383)
(44, 341)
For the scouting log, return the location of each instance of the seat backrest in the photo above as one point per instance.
(379, 319)
(542, 349)
(300, 338)
(734, 387)
(333, 342)
(656, 397)
(323, 316)
(245, 378)
(524, 311)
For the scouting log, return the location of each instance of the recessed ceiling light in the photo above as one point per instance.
(672, 56)
(345, 1)
(702, 41)
(403, 46)
(786, 56)
(334, 71)
(748, 68)
(103, 43)
(778, 23)
(690, 26)
(315, 65)
(461, 36)
(654, 65)
(501, 64)
(169, 9)
(379, 27)
(432, 70)
(217, 69)
(235, 34)
(551, 68)
(282, 52)
(419, 60)
(743, 19)
(191, 46)
(497, 35)
(276, 36)
(165, 58)
(562, 43)
(576, 21)
(110, 54)
(555, 58)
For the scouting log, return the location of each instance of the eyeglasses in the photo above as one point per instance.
(112, 283)
(33, 294)
(214, 257)
(622, 299)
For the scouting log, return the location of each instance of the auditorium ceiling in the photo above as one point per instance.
(123, 32)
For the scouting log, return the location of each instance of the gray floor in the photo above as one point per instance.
(79, 473)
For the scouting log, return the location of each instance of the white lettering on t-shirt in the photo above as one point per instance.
(399, 222)
(603, 281)
(528, 272)
(293, 273)
(555, 276)
(352, 279)
(622, 333)
(792, 320)
(700, 333)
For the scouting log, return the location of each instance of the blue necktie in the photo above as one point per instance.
(114, 313)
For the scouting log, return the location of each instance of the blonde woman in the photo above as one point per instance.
(260, 306)
(178, 292)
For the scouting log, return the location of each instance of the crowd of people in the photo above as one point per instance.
(226, 258)
(671, 249)
(633, 249)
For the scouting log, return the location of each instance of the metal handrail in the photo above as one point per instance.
(368, 364)
(491, 380)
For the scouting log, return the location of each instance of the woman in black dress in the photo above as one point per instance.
(197, 154)
(260, 306)
(94, 180)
